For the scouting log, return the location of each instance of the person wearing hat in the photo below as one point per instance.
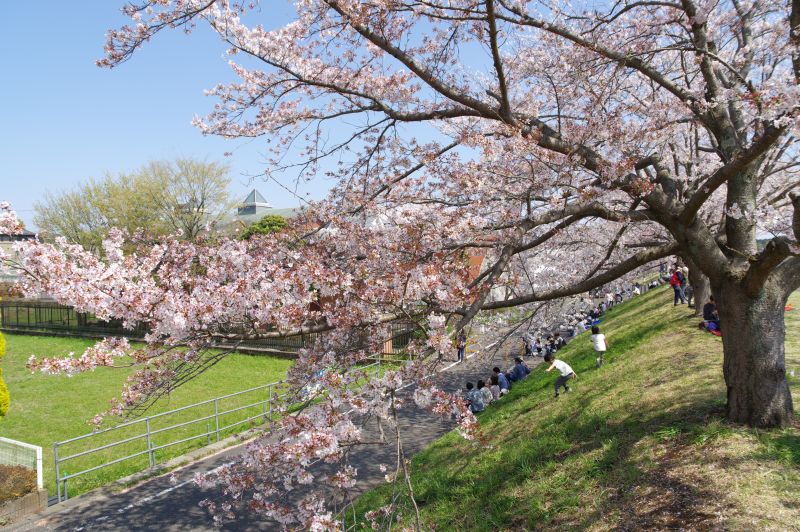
(675, 282)
(519, 371)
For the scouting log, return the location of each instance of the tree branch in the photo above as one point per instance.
(705, 188)
(630, 264)
(505, 107)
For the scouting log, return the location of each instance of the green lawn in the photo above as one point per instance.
(45, 409)
(639, 444)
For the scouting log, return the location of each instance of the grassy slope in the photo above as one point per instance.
(638, 444)
(45, 409)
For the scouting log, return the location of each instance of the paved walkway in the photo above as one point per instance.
(158, 504)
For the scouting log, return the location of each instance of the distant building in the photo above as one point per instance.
(253, 208)
(7, 274)
(253, 204)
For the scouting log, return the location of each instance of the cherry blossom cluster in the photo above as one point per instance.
(101, 354)
(9, 223)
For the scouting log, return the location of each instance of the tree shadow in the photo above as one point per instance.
(486, 488)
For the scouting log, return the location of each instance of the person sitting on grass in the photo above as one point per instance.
(537, 345)
(527, 345)
(564, 369)
(710, 314)
(559, 341)
(474, 399)
(485, 392)
(497, 393)
(502, 380)
(599, 343)
(519, 371)
(551, 345)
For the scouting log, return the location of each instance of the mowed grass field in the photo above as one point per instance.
(639, 444)
(46, 409)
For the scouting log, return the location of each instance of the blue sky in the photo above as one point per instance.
(65, 120)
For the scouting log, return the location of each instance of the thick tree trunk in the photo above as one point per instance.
(702, 289)
(754, 366)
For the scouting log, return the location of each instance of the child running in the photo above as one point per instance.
(564, 369)
(600, 345)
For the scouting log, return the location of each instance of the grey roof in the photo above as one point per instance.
(21, 235)
(255, 198)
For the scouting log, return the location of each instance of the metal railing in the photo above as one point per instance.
(31, 315)
(146, 437)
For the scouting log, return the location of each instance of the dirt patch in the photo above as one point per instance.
(670, 497)
(16, 481)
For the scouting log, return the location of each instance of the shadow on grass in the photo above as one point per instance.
(545, 455)
(595, 452)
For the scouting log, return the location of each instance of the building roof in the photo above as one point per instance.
(255, 198)
(21, 235)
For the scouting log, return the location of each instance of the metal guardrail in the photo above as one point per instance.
(147, 434)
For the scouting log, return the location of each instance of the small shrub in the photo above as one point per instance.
(16, 481)
(269, 224)
(5, 399)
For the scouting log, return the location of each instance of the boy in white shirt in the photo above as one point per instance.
(600, 345)
(564, 369)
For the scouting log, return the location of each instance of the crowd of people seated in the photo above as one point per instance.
(499, 383)
(486, 391)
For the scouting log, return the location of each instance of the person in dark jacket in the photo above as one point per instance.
(501, 379)
(461, 345)
(559, 341)
(710, 314)
(519, 371)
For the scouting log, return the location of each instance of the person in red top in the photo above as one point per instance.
(675, 282)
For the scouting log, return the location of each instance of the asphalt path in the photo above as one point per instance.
(171, 502)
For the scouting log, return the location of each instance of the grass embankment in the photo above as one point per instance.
(640, 443)
(47, 409)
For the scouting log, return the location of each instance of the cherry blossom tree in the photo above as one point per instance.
(568, 146)
(678, 115)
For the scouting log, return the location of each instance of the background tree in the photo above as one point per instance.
(271, 223)
(161, 198)
(189, 195)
